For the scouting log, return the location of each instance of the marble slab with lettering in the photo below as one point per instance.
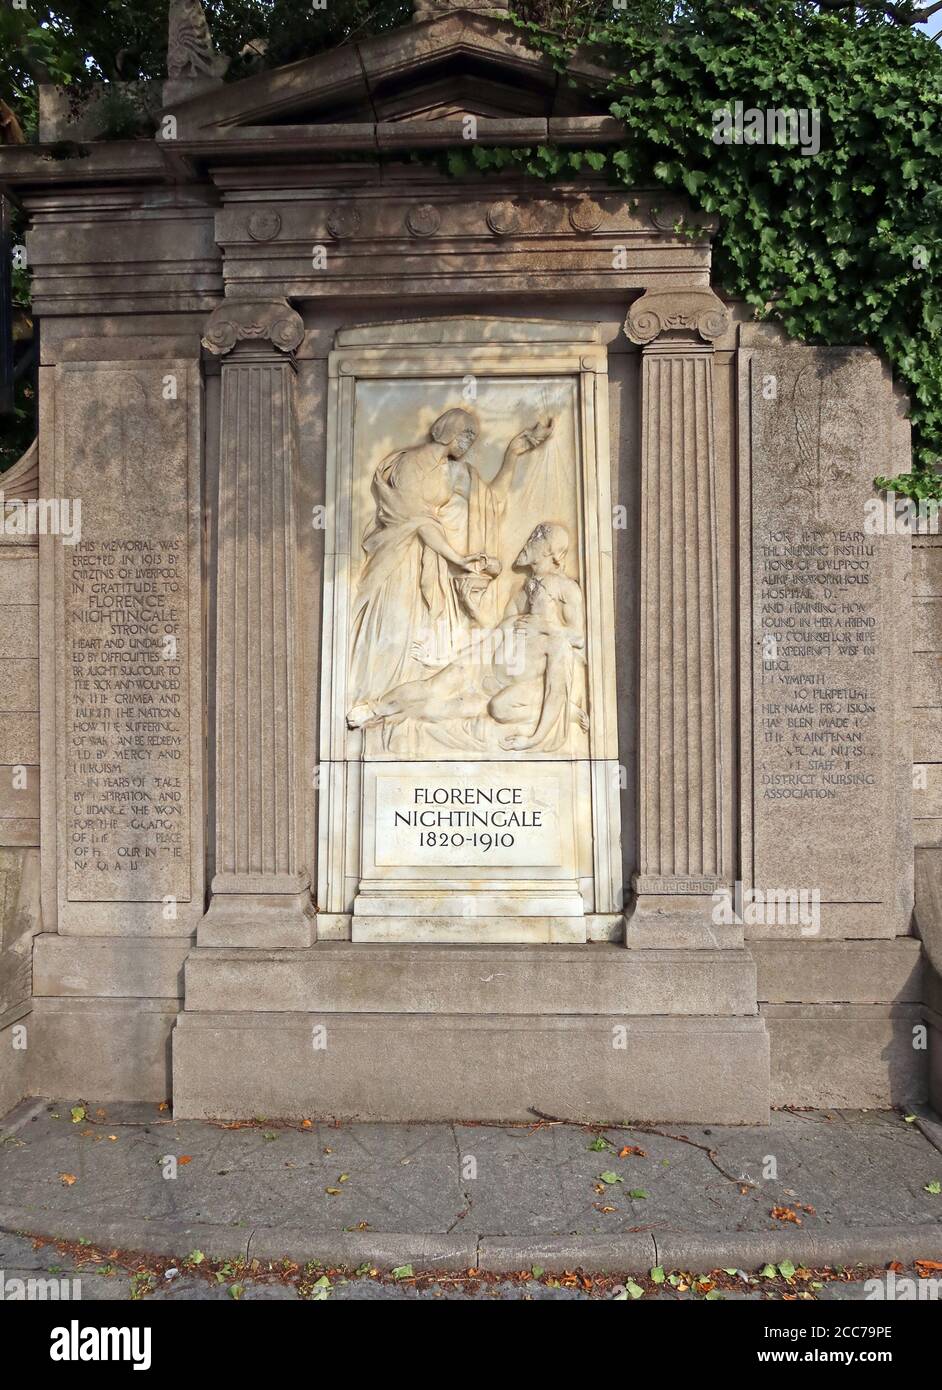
(470, 601)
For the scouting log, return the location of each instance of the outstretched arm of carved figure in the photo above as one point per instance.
(434, 537)
(523, 443)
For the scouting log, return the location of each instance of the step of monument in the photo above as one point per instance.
(343, 977)
(396, 1067)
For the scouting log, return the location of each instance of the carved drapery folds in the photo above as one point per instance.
(190, 51)
(260, 890)
(681, 741)
(193, 65)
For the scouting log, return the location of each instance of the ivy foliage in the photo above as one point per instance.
(843, 246)
(840, 246)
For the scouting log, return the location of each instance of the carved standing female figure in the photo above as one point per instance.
(426, 500)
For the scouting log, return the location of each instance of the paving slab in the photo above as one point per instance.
(814, 1187)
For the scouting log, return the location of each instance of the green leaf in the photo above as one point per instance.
(638, 1193)
(635, 1290)
(537, 1271)
(610, 1178)
(768, 1272)
(402, 1272)
(935, 1187)
(786, 1269)
(657, 1274)
(78, 1114)
(196, 1257)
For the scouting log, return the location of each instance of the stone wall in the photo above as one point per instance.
(927, 782)
(19, 784)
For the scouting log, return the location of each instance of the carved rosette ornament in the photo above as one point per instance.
(669, 217)
(504, 218)
(343, 221)
(424, 219)
(697, 312)
(264, 225)
(235, 322)
(585, 216)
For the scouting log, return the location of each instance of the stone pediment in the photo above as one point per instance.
(442, 69)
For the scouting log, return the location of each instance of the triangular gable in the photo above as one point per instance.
(457, 64)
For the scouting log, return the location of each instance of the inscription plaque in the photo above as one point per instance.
(825, 756)
(128, 809)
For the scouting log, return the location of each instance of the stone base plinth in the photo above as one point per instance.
(489, 931)
(340, 977)
(678, 920)
(399, 1067)
(855, 1056)
(438, 1032)
(258, 919)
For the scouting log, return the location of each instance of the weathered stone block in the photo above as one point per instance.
(852, 972)
(109, 967)
(339, 978)
(853, 1055)
(435, 1067)
(112, 1049)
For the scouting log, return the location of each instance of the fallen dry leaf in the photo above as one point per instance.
(305, 1124)
(786, 1214)
(185, 1158)
(67, 1179)
(164, 1105)
(924, 1267)
(631, 1150)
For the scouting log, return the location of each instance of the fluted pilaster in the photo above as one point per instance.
(681, 853)
(260, 889)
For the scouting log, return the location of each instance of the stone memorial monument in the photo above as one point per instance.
(469, 684)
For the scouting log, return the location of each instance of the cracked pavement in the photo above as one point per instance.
(446, 1193)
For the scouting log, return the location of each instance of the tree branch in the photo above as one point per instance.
(901, 13)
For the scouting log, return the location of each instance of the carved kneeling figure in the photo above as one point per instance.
(523, 672)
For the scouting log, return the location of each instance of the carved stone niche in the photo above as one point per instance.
(468, 680)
